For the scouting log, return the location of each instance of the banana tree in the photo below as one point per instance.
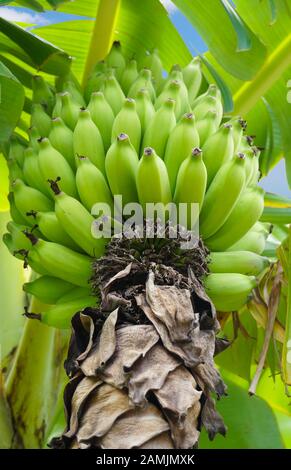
(248, 60)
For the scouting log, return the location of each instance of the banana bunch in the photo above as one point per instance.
(150, 138)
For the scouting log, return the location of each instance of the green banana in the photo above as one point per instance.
(28, 199)
(14, 212)
(53, 165)
(238, 125)
(162, 124)
(192, 76)
(60, 315)
(255, 171)
(16, 150)
(254, 240)
(32, 173)
(40, 119)
(70, 110)
(102, 116)
(144, 80)
(15, 172)
(191, 185)
(151, 168)
(144, 108)
(217, 150)
(61, 138)
(91, 184)
(113, 93)
(42, 93)
(75, 294)
(153, 62)
(51, 229)
(48, 289)
(77, 222)
(121, 166)
(173, 90)
(88, 141)
(207, 126)
(212, 91)
(242, 262)
(183, 138)
(20, 241)
(127, 122)
(229, 291)
(60, 261)
(57, 110)
(129, 76)
(33, 138)
(76, 95)
(244, 215)
(116, 60)
(94, 84)
(222, 196)
(201, 109)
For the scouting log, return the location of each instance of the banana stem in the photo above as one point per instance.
(6, 427)
(29, 384)
(286, 362)
(102, 35)
(277, 62)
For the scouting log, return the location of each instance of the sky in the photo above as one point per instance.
(276, 179)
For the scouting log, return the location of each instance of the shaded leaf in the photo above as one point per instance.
(11, 91)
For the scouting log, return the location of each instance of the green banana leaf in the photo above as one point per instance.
(11, 92)
(251, 422)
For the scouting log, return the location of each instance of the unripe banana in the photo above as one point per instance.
(77, 222)
(127, 122)
(116, 60)
(162, 124)
(94, 84)
(242, 262)
(88, 141)
(53, 165)
(60, 315)
(16, 150)
(183, 138)
(91, 184)
(51, 229)
(75, 294)
(201, 109)
(244, 215)
(113, 93)
(212, 91)
(57, 110)
(254, 240)
(129, 76)
(102, 116)
(222, 196)
(255, 173)
(77, 97)
(14, 212)
(33, 138)
(152, 180)
(70, 111)
(60, 261)
(229, 291)
(144, 80)
(48, 289)
(32, 173)
(61, 138)
(238, 125)
(20, 241)
(28, 199)
(191, 185)
(217, 150)
(249, 166)
(15, 172)
(172, 90)
(192, 75)
(42, 93)
(40, 119)
(145, 108)
(207, 126)
(121, 166)
(153, 62)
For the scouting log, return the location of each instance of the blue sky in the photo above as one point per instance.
(274, 182)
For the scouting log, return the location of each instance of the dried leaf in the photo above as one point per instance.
(162, 441)
(104, 348)
(135, 428)
(150, 373)
(211, 419)
(132, 342)
(105, 405)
